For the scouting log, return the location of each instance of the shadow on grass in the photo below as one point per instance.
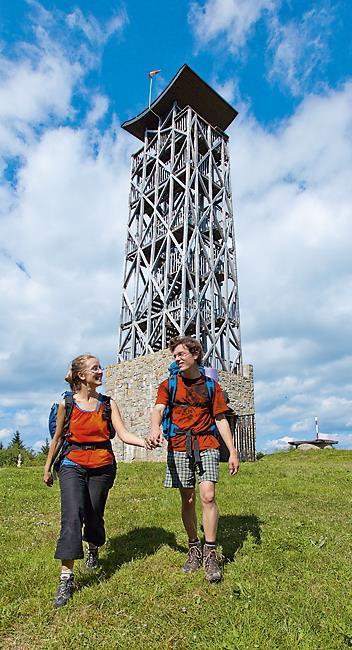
(234, 530)
(141, 542)
(135, 544)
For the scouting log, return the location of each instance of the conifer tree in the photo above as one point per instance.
(17, 441)
(45, 448)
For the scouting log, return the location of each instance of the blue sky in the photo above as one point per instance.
(70, 73)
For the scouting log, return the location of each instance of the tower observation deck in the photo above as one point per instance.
(180, 275)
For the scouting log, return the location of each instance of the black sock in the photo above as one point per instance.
(193, 542)
(210, 544)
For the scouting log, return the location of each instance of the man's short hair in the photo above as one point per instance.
(193, 345)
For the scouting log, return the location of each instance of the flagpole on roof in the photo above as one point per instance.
(150, 91)
(151, 74)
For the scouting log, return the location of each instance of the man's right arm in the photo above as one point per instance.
(156, 437)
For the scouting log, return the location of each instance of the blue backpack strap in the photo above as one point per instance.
(173, 374)
(68, 397)
(210, 384)
(166, 423)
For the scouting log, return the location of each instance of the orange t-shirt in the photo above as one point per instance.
(193, 392)
(89, 427)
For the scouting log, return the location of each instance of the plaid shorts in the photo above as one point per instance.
(181, 471)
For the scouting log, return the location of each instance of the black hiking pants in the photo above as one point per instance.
(83, 497)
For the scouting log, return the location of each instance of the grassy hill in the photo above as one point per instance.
(285, 531)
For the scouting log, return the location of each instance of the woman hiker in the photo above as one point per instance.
(87, 469)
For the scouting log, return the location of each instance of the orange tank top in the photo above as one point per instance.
(89, 427)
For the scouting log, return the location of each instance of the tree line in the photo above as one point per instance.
(17, 451)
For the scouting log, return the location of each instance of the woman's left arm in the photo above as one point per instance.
(123, 434)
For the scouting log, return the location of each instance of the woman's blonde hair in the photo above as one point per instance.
(77, 365)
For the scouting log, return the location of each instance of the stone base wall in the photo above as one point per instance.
(133, 385)
(240, 389)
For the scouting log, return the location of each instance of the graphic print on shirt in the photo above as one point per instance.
(194, 393)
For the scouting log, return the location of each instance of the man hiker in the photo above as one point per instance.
(191, 408)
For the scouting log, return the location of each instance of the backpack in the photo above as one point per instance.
(170, 429)
(68, 397)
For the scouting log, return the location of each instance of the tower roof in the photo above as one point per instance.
(187, 89)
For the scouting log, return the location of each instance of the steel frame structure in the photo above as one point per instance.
(180, 274)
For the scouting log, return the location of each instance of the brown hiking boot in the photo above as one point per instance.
(194, 559)
(211, 564)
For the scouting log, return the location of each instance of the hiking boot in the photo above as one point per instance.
(92, 559)
(65, 590)
(194, 559)
(211, 564)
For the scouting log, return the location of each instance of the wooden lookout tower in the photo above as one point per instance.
(180, 267)
(180, 274)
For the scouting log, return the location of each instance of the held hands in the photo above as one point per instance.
(154, 440)
(234, 464)
(48, 478)
(147, 445)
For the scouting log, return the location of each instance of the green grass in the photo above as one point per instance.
(285, 531)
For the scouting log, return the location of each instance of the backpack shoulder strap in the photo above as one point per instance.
(210, 384)
(106, 402)
(174, 371)
(166, 423)
(172, 387)
(104, 399)
(68, 397)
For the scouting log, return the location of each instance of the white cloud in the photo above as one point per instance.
(295, 51)
(62, 227)
(100, 105)
(21, 418)
(63, 230)
(277, 444)
(234, 19)
(345, 441)
(94, 31)
(299, 48)
(302, 426)
(38, 83)
(5, 433)
(31, 90)
(38, 445)
(293, 225)
(227, 89)
(67, 229)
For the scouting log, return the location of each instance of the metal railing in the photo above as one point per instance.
(243, 434)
